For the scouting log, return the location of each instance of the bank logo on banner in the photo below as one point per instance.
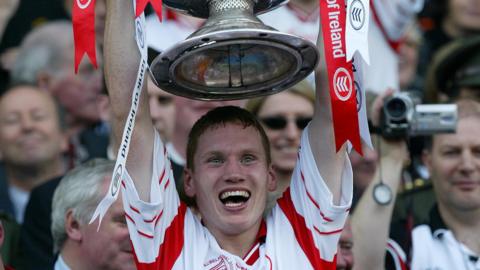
(357, 14)
(356, 39)
(116, 180)
(358, 93)
(342, 84)
(83, 6)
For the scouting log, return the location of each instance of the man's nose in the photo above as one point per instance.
(468, 161)
(233, 171)
(27, 123)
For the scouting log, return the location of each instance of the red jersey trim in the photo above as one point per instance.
(254, 253)
(303, 234)
(172, 245)
(317, 205)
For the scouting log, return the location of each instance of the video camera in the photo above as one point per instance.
(403, 116)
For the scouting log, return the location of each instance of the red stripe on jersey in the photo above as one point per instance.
(123, 184)
(397, 257)
(144, 234)
(303, 234)
(166, 184)
(270, 261)
(130, 218)
(317, 205)
(172, 244)
(150, 220)
(139, 232)
(160, 180)
(327, 233)
(254, 253)
(158, 217)
(135, 209)
(254, 256)
(308, 193)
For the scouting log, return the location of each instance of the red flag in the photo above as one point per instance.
(340, 75)
(84, 31)
(156, 4)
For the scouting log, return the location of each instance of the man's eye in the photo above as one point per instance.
(39, 116)
(165, 100)
(450, 153)
(248, 159)
(215, 160)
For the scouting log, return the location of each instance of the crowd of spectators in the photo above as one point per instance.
(59, 133)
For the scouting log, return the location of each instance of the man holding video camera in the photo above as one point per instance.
(440, 229)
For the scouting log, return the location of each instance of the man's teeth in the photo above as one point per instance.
(233, 204)
(237, 193)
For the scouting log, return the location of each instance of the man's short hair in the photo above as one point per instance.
(43, 49)
(222, 116)
(80, 190)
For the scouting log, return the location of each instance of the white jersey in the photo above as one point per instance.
(293, 20)
(382, 73)
(440, 250)
(434, 246)
(301, 232)
(161, 36)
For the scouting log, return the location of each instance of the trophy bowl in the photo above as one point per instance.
(234, 55)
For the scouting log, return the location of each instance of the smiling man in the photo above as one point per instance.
(31, 142)
(451, 238)
(229, 173)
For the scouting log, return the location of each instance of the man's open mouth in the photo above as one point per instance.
(234, 198)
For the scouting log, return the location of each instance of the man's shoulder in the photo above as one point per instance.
(415, 200)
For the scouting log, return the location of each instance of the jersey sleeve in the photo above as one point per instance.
(149, 222)
(308, 206)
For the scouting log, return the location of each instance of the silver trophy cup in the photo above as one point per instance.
(234, 55)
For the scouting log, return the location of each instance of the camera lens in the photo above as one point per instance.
(396, 108)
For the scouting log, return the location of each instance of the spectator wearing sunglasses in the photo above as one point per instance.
(284, 116)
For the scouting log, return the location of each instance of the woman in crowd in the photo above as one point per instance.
(284, 116)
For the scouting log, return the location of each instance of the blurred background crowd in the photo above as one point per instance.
(53, 120)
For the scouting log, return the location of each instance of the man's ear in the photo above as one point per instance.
(72, 227)
(188, 183)
(272, 179)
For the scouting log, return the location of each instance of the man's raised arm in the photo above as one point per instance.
(321, 136)
(122, 60)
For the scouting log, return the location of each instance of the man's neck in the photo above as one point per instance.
(26, 177)
(239, 244)
(464, 225)
(73, 257)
